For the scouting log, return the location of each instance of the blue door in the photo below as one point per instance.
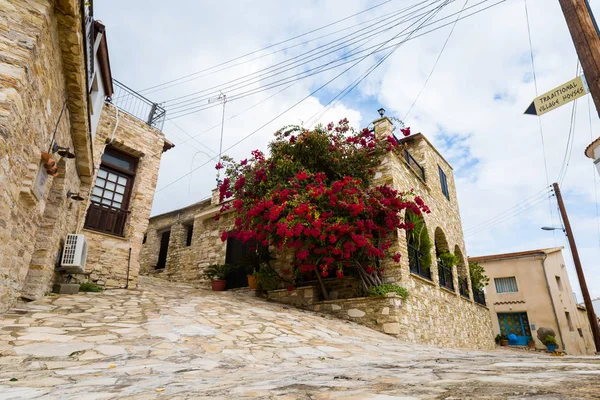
(517, 324)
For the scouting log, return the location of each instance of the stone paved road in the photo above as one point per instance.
(170, 341)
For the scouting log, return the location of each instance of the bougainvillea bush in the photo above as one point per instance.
(314, 196)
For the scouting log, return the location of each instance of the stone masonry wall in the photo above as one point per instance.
(33, 91)
(108, 255)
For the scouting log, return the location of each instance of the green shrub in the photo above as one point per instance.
(89, 286)
(479, 279)
(266, 278)
(382, 290)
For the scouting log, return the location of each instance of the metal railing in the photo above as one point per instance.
(133, 103)
(414, 261)
(445, 274)
(105, 218)
(479, 297)
(463, 287)
(414, 164)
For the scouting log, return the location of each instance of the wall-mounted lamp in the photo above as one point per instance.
(74, 196)
(62, 151)
(381, 111)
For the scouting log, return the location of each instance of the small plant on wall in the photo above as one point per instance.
(448, 259)
(313, 196)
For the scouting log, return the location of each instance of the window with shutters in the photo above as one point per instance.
(109, 203)
(444, 183)
(506, 285)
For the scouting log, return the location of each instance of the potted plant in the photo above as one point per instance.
(501, 339)
(216, 273)
(550, 343)
(531, 344)
(252, 281)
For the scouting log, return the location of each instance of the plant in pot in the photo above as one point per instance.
(217, 273)
(550, 343)
(531, 344)
(502, 340)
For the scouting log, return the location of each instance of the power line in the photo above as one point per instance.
(293, 106)
(267, 123)
(284, 81)
(501, 215)
(361, 77)
(508, 217)
(190, 137)
(380, 19)
(539, 118)
(570, 138)
(302, 58)
(268, 47)
(435, 63)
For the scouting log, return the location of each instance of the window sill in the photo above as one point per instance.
(448, 290)
(422, 279)
(105, 234)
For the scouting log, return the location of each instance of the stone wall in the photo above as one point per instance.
(33, 91)
(108, 255)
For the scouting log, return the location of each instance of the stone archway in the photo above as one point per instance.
(463, 273)
(445, 273)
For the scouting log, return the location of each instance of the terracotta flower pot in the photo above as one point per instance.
(504, 342)
(252, 282)
(218, 285)
(531, 344)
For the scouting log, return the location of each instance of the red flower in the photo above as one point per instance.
(244, 162)
(405, 131)
(239, 183)
(219, 166)
(396, 257)
(302, 175)
(224, 236)
(290, 287)
(339, 273)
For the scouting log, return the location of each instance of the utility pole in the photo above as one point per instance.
(586, 38)
(584, 290)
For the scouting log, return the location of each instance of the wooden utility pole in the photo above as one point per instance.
(582, 284)
(586, 39)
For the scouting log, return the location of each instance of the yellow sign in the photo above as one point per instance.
(557, 97)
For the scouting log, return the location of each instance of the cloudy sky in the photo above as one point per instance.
(471, 108)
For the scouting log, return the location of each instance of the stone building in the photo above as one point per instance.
(441, 307)
(530, 290)
(54, 79)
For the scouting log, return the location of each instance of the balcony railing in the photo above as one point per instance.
(107, 219)
(414, 261)
(479, 297)
(414, 164)
(133, 103)
(463, 286)
(445, 276)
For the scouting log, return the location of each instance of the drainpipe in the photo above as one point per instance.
(562, 341)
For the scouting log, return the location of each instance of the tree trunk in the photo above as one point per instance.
(323, 290)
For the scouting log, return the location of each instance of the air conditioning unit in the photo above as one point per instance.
(74, 252)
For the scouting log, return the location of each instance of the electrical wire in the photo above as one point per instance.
(275, 84)
(361, 77)
(267, 123)
(570, 138)
(510, 210)
(380, 19)
(435, 63)
(594, 174)
(539, 119)
(510, 216)
(293, 106)
(302, 59)
(268, 47)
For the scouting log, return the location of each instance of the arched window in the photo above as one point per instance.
(419, 246)
(445, 260)
(463, 274)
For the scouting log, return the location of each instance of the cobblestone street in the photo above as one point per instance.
(173, 341)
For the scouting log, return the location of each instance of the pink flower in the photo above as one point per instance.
(396, 257)
(339, 273)
(219, 166)
(405, 131)
(224, 236)
(244, 162)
